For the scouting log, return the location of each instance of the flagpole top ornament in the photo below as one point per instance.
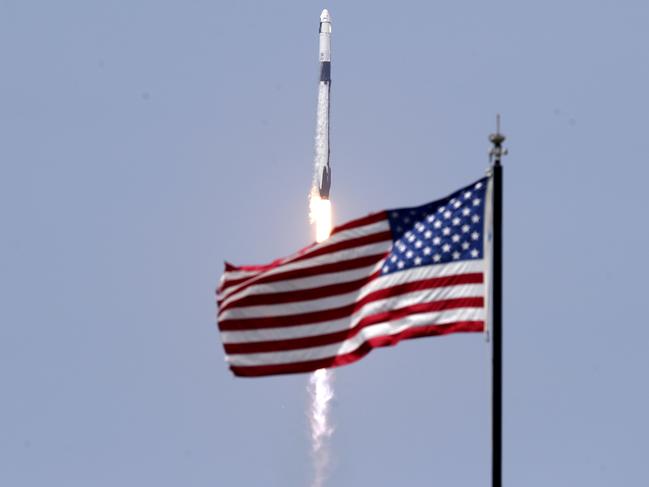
(497, 139)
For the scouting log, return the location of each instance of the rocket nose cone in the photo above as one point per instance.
(324, 16)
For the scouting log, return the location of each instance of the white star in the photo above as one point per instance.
(476, 202)
(428, 234)
(420, 227)
(466, 228)
(457, 204)
(437, 224)
(409, 254)
(467, 195)
(475, 218)
(465, 245)
(446, 231)
(475, 235)
(417, 260)
(466, 211)
(455, 238)
(456, 221)
(400, 264)
(456, 255)
(427, 250)
(446, 248)
(441, 209)
(437, 241)
(395, 214)
(393, 258)
(478, 186)
(418, 244)
(447, 214)
(386, 268)
(437, 257)
(411, 238)
(430, 219)
(474, 253)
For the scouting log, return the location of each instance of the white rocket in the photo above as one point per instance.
(322, 168)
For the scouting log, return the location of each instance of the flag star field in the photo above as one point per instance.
(447, 230)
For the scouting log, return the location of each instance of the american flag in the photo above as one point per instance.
(392, 275)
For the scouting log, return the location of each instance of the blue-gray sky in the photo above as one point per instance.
(144, 142)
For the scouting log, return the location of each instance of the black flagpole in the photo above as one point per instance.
(496, 154)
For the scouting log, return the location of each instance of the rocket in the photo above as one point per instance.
(322, 168)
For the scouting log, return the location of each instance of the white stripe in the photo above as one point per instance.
(372, 228)
(304, 331)
(348, 322)
(381, 282)
(352, 233)
(320, 280)
(420, 273)
(333, 257)
(378, 330)
(234, 275)
(340, 300)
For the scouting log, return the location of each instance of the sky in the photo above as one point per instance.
(143, 143)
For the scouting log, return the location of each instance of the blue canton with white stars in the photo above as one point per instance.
(447, 230)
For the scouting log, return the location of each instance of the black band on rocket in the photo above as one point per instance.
(325, 71)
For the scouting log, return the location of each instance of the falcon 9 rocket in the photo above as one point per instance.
(322, 177)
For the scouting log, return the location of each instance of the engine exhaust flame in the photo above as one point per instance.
(320, 215)
(321, 392)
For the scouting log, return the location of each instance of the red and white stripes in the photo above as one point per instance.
(329, 304)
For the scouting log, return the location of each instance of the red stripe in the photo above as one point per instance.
(360, 352)
(342, 311)
(341, 288)
(258, 269)
(340, 336)
(264, 267)
(366, 220)
(304, 253)
(328, 315)
(348, 244)
(344, 265)
(299, 295)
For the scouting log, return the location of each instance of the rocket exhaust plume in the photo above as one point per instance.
(320, 386)
(321, 391)
(320, 215)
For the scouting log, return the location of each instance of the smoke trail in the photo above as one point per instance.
(321, 391)
(320, 386)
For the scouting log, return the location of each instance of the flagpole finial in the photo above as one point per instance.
(497, 139)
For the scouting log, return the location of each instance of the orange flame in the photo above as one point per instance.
(320, 215)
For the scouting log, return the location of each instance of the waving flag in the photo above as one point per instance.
(398, 274)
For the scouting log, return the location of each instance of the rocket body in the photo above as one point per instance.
(322, 176)
(325, 43)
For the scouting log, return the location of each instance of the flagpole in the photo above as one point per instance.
(496, 154)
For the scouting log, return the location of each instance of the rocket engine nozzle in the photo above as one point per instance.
(325, 183)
